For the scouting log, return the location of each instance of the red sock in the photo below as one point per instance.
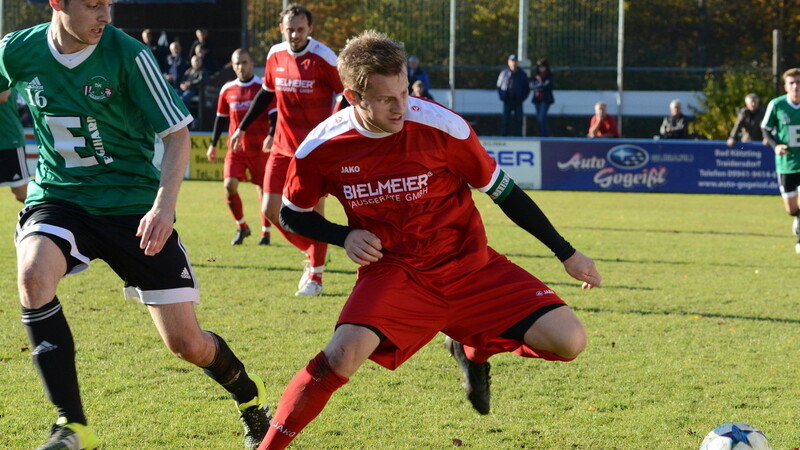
(235, 205)
(317, 252)
(301, 242)
(477, 356)
(304, 398)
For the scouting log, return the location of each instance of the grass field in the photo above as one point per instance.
(695, 326)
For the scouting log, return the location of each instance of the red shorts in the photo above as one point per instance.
(238, 164)
(410, 308)
(277, 168)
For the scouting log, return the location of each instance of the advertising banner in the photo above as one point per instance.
(519, 158)
(708, 167)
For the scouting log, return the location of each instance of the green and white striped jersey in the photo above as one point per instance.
(96, 114)
(784, 119)
(11, 133)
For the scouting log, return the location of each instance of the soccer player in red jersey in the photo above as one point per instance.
(402, 168)
(234, 101)
(301, 74)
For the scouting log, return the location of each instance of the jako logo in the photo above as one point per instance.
(351, 169)
(628, 156)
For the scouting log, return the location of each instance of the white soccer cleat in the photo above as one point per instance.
(796, 226)
(797, 247)
(311, 288)
(306, 276)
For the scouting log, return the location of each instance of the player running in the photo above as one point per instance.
(13, 166)
(301, 74)
(233, 102)
(781, 129)
(402, 168)
(98, 98)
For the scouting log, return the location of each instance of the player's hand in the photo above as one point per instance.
(581, 267)
(781, 149)
(211, 154)
(363, 247)
(266, 147)
(154, 229)
(236, 140)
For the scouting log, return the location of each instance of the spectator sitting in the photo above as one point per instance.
(192, 81)
(415, 73)
(602, 124)
(209, 60)
(209, 63)
(748, 121)
(418, 90)
(150, 39)
(675, 125)
(176, 64)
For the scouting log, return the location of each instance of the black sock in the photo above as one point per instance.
(53, 354)
(228, 371)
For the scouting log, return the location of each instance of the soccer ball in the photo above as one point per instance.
(735, 436)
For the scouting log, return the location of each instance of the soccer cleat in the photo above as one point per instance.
(70, 436)
(264, 239)
(241, 233)
(255, 416)
(796, 226)
(306, 276)
(476, 377)
(311, 288)
(797, 247)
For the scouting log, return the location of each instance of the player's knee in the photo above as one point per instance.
(573, 344)
(342, 361)
(191, 350)
(273, 216)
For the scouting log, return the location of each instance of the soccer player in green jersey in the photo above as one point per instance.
(98, 99)
(781, 129)
(13, 167)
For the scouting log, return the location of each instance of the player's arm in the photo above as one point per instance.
(156, 225)
(5, 95)
(524, 212)
(266, 147)
(362, 246)
(220, 123)
(259, 104)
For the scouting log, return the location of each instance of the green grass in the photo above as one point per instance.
(695, 326)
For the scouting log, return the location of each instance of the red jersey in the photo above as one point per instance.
(608, 125)
(234, 101)
(411, 188)
(304, 84)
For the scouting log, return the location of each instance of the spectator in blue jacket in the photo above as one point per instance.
(415, 73)
(513, 88)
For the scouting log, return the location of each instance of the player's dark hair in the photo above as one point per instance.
(371, 52)
(295, 9)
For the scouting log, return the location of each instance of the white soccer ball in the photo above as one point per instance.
(735, 436)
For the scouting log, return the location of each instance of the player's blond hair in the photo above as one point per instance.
(371, 52)
(795, 72)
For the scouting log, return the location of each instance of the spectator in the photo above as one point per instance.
(602, 125)
(176, 64)
(418, 90)
(675, 125)
(512, 88)
(209, 59)
(192, 81)
(542, 86)
(748, 121)
(415, 73)
(150, 39)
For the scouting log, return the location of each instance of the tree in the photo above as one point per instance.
(723, 95)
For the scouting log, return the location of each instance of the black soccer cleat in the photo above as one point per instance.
(264, 240)
(241, 233)
(255, 416)
(476, 377)
(70, 436)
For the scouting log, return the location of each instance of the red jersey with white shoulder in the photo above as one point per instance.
(411, 188)
(304, 84)
(234, 101)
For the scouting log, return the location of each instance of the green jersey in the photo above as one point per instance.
(12, 136)
(96, 114)
(784, 118)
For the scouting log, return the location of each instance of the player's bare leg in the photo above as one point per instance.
(177, 324)
(312, 387)
(265, 223)
(790, 204)
(41, 264)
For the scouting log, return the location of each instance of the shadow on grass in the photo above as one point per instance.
(686, 313)
(298, 269)
(701, 232)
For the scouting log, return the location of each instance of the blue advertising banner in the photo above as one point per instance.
(645, 165)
